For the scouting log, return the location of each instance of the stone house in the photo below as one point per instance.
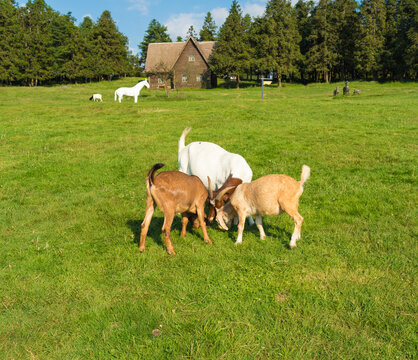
(180, 65)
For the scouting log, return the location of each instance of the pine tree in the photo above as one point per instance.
(232, 54)
(391, 61)
(208, 31)
(346, 24)
(11, 35)
(407, 39)
(38, 51)
(111, 47)
(87, 55)
(63, 41)
(370, 44)
(154, 34)
(304, 24)
(191, 33)
(277, 48)
(322, 55)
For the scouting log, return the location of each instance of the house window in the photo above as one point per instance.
(191, 57)
(199, 78)
(184, 78)
(160, 81)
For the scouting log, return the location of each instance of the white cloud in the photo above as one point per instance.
(140, 5)
(87, 15)
(219, 15)
(254, 9)
(178, 24)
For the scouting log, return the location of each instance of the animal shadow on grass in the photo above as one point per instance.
(155, 231)
(273, 232)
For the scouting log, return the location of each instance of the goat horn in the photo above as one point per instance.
(223, 192)
(210, 188)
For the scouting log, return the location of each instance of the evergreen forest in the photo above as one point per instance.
(324, 41)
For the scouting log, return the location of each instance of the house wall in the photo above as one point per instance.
(193, 69)
(155, 85)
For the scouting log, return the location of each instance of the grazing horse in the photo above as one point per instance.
(97, 97)
(132, 91)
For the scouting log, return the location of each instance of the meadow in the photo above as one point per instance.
(73, 284)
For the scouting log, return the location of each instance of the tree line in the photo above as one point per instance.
(328, 40)
(40, 46)
(331, 40)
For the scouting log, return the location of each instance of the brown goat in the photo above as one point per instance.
(174, 192)
(268, 195)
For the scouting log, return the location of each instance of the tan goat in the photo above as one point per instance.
(268, 195)
(174, 192)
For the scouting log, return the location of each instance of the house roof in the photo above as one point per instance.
(166, 54)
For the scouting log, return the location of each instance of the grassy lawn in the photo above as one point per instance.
(73, 284)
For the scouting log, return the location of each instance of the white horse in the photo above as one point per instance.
(132, 91)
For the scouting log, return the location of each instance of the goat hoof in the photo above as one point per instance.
(263, 237)
(208, 241)
(171, 252)
(292, 246)
(142, 248)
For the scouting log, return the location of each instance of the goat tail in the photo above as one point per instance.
(306, 173)
(91, 98)
(150, 176)
(183, 138)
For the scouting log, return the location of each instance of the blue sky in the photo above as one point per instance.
(132, 17)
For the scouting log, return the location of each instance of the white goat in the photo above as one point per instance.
(268, 195)
(96, 97)
(205, 159)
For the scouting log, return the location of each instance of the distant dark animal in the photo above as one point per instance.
(337, 91)
(96, 97)
(346, 89)
(356, 91)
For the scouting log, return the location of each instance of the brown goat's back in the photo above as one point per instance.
(175, 187)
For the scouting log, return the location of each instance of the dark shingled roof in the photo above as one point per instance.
(166, 54)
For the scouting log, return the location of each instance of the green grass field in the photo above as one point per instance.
(73, 284)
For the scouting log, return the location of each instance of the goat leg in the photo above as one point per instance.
(168, 220)
(259, 222)
(201, 217)
(145, 224)
(184, 222)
